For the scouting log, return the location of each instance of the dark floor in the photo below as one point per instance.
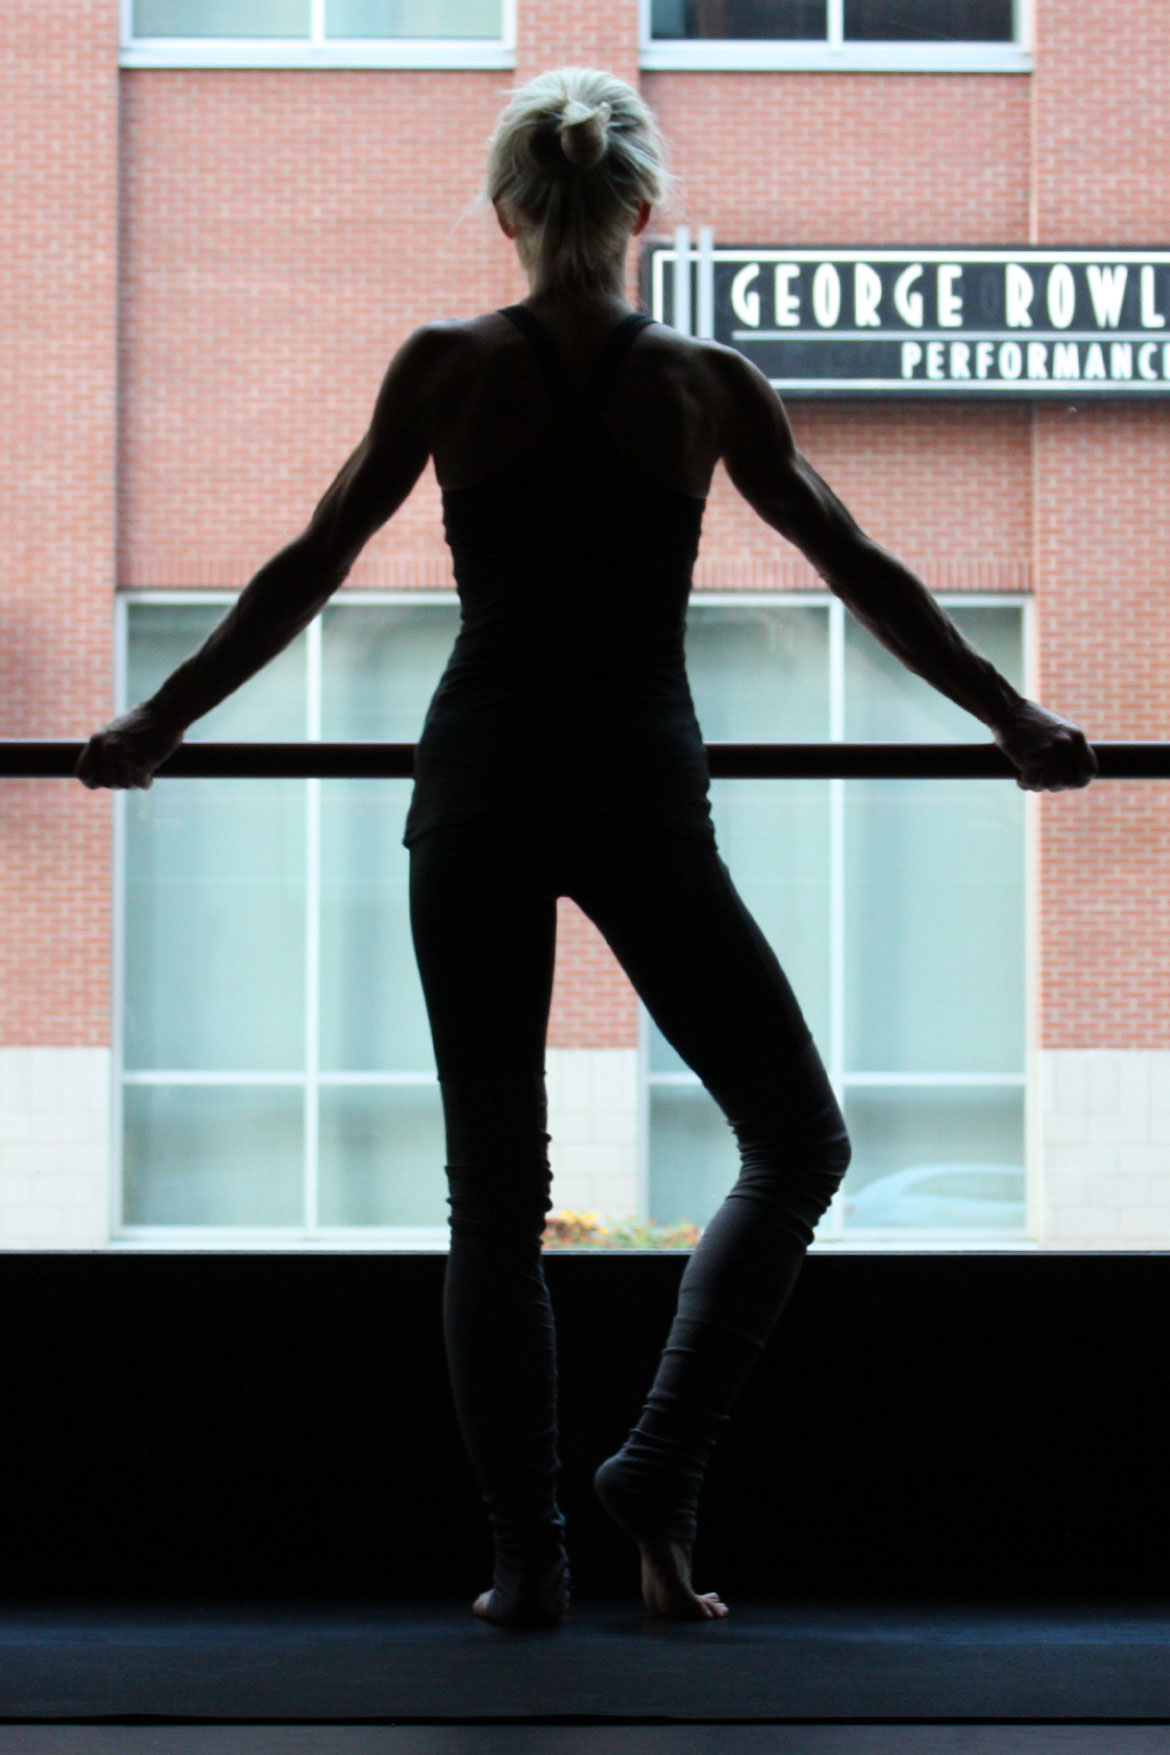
(542, 1740)
(430, 1679)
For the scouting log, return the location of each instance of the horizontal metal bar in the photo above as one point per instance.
(56, 758)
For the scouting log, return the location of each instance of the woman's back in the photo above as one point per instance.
(573, 554)
(490, 398)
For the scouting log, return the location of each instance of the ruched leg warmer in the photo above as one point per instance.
(500, 1336)
(794, 1151)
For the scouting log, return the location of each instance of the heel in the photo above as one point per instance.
(646, 1510)
(527, 1598)
(530, 1578)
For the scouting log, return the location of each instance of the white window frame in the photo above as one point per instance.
(835, 55)
(832, 1234)
(317, 50)
(434, 1239)
(312, 1236)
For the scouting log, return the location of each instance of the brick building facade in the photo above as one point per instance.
(207, 270)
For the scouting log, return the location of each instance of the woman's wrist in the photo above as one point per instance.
(1004, 708)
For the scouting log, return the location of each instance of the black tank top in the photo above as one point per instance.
(566, 697)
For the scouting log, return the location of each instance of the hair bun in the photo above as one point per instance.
(582, 133)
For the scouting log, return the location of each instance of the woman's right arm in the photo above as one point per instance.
(764, 463)
(293, 586)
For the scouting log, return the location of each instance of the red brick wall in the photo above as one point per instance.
(1102, 123)
(282, 231)
(847, 158)
(1102, 143)
(1105, 660)
(58, 109)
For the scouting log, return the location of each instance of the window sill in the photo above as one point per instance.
(417, 52)
(755, 57)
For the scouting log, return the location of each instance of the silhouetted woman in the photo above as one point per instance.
(574, 442)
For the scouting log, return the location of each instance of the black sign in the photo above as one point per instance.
(1027, 325)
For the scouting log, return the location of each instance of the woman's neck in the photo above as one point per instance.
(606, 293)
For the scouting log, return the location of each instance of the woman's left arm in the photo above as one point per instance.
(292, 587)
(1050, 754)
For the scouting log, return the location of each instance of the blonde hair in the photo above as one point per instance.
(574, 154)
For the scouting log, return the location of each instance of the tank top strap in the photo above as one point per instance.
(601, 376)
(616, 347)
(546, 353)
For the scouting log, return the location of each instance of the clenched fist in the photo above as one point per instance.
(1050, 754)
(128, 750)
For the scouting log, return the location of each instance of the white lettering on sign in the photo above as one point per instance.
(949, 362)
(826, 295)
(1107, 289)
(1066, 360)
(867, 296)
(1062, 296)
(950, 303)
(1151, 318)
(1095, 361)
(787, 301)
(1121, 359)
(745, 300)
(1018, 293)
(1018, 322)
(1011, 359)
(908, 304)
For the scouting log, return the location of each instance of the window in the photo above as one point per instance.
(277, 1078)
(326, 33)
(925, 35)
(276, 1073)
(897, 909)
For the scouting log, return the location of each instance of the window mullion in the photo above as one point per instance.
(118, 942)
(836, 23)
(312, 929)
(834, 1218)
(317, 23)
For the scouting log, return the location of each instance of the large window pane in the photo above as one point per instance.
(381, 1155)
(213, 1155)
(928, 21)
(693, 1160)
(221, 18)
(270, 707)
(215, 877)
(934, 927)
(771, 20)
(215, 926)
(760, 673)
(936, 1159)
(413, 18)
(934, 879)
(372, 1016)
(380, 665)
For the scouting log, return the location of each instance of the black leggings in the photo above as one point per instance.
(483, 911)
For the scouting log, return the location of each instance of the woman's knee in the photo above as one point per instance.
(498, 1171)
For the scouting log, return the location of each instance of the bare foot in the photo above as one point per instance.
(666, 1584)
(489, 1606)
